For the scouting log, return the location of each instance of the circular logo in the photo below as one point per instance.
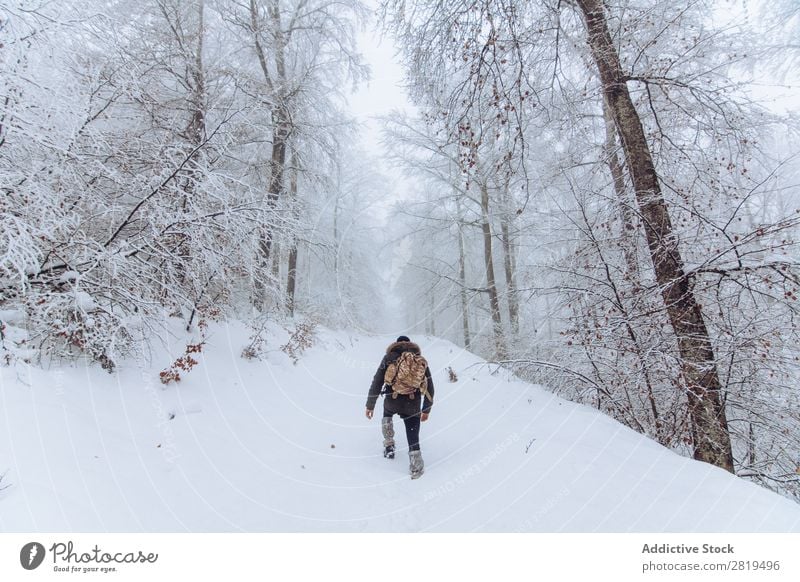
(32, 555)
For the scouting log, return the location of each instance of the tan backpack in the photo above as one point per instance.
(406, 375)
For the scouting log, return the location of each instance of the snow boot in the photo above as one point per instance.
(416, 465)
(387, 428)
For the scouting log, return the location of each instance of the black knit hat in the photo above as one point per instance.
(403, 338)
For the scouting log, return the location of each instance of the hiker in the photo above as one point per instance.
(405, 379)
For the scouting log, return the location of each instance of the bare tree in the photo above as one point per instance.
(683, 135)
(710, 426)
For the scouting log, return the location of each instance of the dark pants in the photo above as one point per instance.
(408, 410)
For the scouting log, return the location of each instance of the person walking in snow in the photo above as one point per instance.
(405, 379)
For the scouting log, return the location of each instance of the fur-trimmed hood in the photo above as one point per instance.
(400, 347)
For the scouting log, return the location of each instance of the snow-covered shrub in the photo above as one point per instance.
(65, 324)
(300, 340)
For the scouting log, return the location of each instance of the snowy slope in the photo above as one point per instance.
(270, 446)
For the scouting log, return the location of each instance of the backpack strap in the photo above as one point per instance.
(391, 384)
(396, 369)
(424, 389)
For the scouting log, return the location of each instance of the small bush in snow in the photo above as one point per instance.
(5, 354)
(301, 339)
(185, 362)
(451, 374)
(255, 349)
(70, 323)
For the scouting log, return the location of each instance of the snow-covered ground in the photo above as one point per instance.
(272, 446)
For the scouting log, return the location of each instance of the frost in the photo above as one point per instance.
(12, 316)
(84, 301)
(69, 277)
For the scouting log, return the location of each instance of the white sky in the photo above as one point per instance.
(383, 94)
(379, 97)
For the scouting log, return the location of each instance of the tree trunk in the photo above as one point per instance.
(336, 231)
(280, 135)
(628, 244)
(197, 125)
(508, 264)
(291, 272)
(275, 261)
(195, 133)
(628, 235)
(281, 122)
(281, 125)
(712, 442)
(462, 277)
(494, 302)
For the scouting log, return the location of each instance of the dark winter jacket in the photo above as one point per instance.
(392, 354)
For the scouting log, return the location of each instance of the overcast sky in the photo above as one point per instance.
(380, 96)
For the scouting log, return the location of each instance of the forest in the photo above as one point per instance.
(602, 197)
